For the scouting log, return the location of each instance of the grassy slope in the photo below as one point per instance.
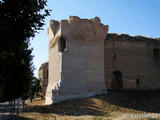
(109, 106)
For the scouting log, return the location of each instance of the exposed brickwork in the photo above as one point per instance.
(134, 57)
(43, 76)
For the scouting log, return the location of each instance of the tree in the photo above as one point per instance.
(35, 88)
(19, 21)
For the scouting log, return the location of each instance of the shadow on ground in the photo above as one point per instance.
(12, 117)
(142, 100)
(145, 101)
(74, 107)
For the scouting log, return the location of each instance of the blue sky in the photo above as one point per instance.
(134, 17)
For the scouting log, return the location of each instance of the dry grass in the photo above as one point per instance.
(111, 106)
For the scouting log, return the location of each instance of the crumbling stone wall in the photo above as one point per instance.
(43, 77)
(137, 58)
(84, 60)
(76, 59)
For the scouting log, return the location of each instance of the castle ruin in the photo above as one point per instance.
(76, 59)
(85, 60)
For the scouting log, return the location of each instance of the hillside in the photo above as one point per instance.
(106, 107)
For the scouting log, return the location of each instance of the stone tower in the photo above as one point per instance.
(76, 59)
(43, 77)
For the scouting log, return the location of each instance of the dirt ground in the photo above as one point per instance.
(123, 105)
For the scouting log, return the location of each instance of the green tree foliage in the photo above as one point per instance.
(35, 90)
(19, 21)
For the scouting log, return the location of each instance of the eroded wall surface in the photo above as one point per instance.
(137, 58)
(43, 77)
(78, 70)
(54, 33)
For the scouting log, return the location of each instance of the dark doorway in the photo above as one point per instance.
(117, 81)
(62, 44)
(156, 52)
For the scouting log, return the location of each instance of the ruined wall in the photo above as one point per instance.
(137, 58)
(77, 70)
(43, 77)
(54, 67)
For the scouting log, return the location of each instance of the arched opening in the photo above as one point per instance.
(117, 81)
(138, 82)
(156, 52)
(62, 44)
